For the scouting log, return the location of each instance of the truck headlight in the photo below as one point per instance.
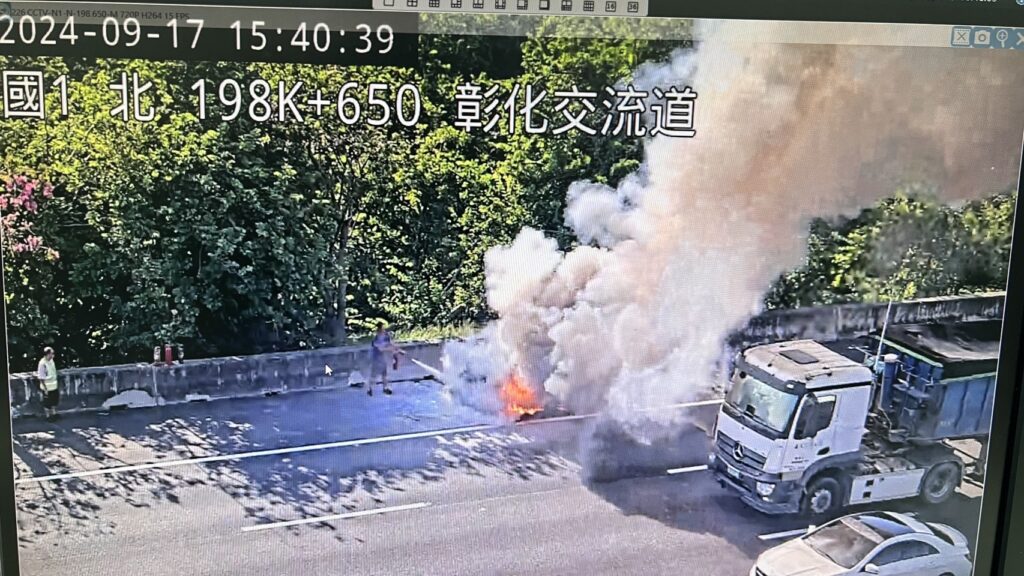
(765, 488)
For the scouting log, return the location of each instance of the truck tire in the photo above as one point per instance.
(824, 496)
(940, 482)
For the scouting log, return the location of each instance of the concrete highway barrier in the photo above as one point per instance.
(141, 385)
(829, 323)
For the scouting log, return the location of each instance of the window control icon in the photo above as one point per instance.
(1002, 38)
(981, 38)
(961, 36)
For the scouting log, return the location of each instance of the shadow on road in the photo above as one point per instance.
(694, 504)
(618, 466)
(630, 474)
(74, 504)
(269, 489)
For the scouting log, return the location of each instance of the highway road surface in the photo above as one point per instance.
(335, 482)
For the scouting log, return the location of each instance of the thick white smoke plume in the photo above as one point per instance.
(682, 253)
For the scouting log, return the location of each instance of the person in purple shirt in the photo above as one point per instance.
(382, 349)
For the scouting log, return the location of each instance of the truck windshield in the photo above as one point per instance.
(763, 403)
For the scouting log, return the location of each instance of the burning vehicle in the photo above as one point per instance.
(476, 377)
(519, 399)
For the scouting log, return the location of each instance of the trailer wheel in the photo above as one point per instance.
(940, 482)
(823, 496)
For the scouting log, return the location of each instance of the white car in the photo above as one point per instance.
(883, 543)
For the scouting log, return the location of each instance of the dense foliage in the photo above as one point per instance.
(239, 237)
(907, 246)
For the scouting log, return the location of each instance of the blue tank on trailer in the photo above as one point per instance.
(938, 381)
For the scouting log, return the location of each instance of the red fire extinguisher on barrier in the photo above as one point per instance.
(168, 354)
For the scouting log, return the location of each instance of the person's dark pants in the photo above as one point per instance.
(51, 399)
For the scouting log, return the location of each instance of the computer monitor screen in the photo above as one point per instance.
(487, 287)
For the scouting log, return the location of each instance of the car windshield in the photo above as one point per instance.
(763, 403)
(845, 542)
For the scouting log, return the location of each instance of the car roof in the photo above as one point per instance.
(891, 524)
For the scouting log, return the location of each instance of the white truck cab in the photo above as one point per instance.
(808, 428)
(805, 429)
(793, 407)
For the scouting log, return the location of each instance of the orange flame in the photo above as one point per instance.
(518, 397)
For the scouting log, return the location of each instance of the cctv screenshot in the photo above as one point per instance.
(488, 287)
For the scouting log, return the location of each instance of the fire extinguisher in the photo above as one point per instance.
(168, 354)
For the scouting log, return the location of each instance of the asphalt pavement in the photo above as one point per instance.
(335, 482)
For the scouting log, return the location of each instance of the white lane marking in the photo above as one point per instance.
(687, 469)
(643, 411)
(256, 454)
(325, 446)
(697, 404)
(782, 535)
(556, 419)
(319, 519)
(437, 374)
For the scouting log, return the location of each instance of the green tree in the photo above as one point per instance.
(907, 246)
(353, 173)
(181, 229)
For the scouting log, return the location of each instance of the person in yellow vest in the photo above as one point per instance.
(48, 384)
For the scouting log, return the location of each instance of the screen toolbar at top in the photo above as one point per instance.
(387, 35)
(564, 7)
(988, 12)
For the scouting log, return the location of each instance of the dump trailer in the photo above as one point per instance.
(809, 428)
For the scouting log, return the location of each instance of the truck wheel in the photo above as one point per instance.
(823, 496)
(940, 483)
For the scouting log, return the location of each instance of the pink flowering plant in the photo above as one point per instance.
(20, 199)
